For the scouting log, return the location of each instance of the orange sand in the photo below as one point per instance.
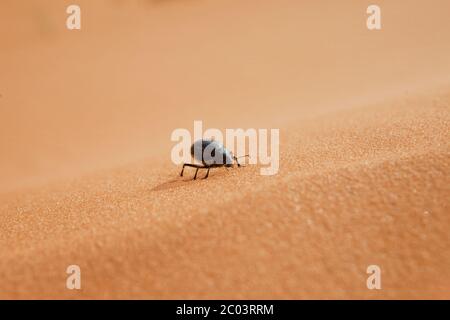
(85, 170)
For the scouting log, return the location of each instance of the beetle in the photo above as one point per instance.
(212, 154)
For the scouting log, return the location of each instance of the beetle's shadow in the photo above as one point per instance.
(184, 181)
(171, 184)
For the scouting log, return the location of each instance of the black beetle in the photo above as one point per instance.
(212, 154)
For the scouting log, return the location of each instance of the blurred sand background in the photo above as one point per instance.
(85, 170)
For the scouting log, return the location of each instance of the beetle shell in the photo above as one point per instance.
(211, 152)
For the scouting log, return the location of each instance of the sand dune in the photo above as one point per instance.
(85, 167)
(355, 188)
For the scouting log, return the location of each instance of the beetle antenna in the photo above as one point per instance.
(236, 159)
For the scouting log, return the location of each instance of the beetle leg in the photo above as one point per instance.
(197, 166)
(236, 159)
(196, 171)
(207, 173)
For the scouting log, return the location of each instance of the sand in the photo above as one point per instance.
(85, 170)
